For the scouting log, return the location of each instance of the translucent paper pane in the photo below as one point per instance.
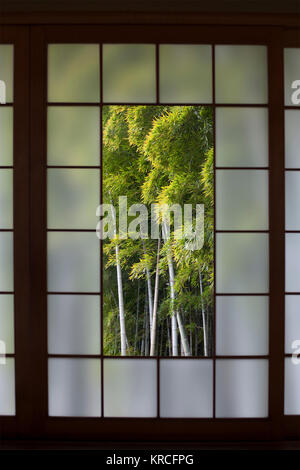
(292, 262)
(186, 388)
(185, 73)
(74, 387)
(6, 70)
(6, 136)
(73, 135)
(291, 73)
(6, 198)
(129, 73)
(242, 200)
(292, 388)
(241, 388)
(7, 387)
(73, 73)
(241, 74)
(292, 200)
(292, 139)
(73, 324)
(7, 322)
(242, 325)
(73, 262)
(130, 388)
(242, 263)
(6, 261)
(292, 322)
(235, 142)
(73, 197)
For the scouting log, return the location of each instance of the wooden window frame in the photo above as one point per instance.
(19, 38)
(291, 423)
(31, 420)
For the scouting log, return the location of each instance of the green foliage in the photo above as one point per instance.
(158, 154)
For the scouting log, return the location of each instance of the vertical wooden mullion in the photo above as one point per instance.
(214, 224)
(101, 241)
(38, 235)
(22, 318)
(277, 241)
(158, 359)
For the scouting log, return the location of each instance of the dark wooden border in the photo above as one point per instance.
(291, 424)
(29, 219)
(153, 18)
(277, 241)
(183, 430)
(158, 33)
(38, 86)
(19, 37)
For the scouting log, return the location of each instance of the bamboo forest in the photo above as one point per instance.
(157, 295)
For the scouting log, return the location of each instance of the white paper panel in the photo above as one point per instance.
(292, 387)
(7, 387)
(235, 145)
(73, 262)
(6, 199)
(130, 388)
(291, 72)
(73, 73)
(185, 73)
(6, 136)
(241, 74)
(242, 264)
(292, 138)
(242, 201)
(7, 69)
(292, 262)
(242, 326)
(73, 324)
(186, 388)
(7, 322)
(129, 73)
(73, 197)
(241, 388)
(292, 322)
(73, 135)
(74, 387)
(6, 262)
(292, 200)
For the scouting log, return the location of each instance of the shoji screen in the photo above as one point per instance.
(7, 346)
(225, 88)
(73, 189)
(242, 224)
(292, 227)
